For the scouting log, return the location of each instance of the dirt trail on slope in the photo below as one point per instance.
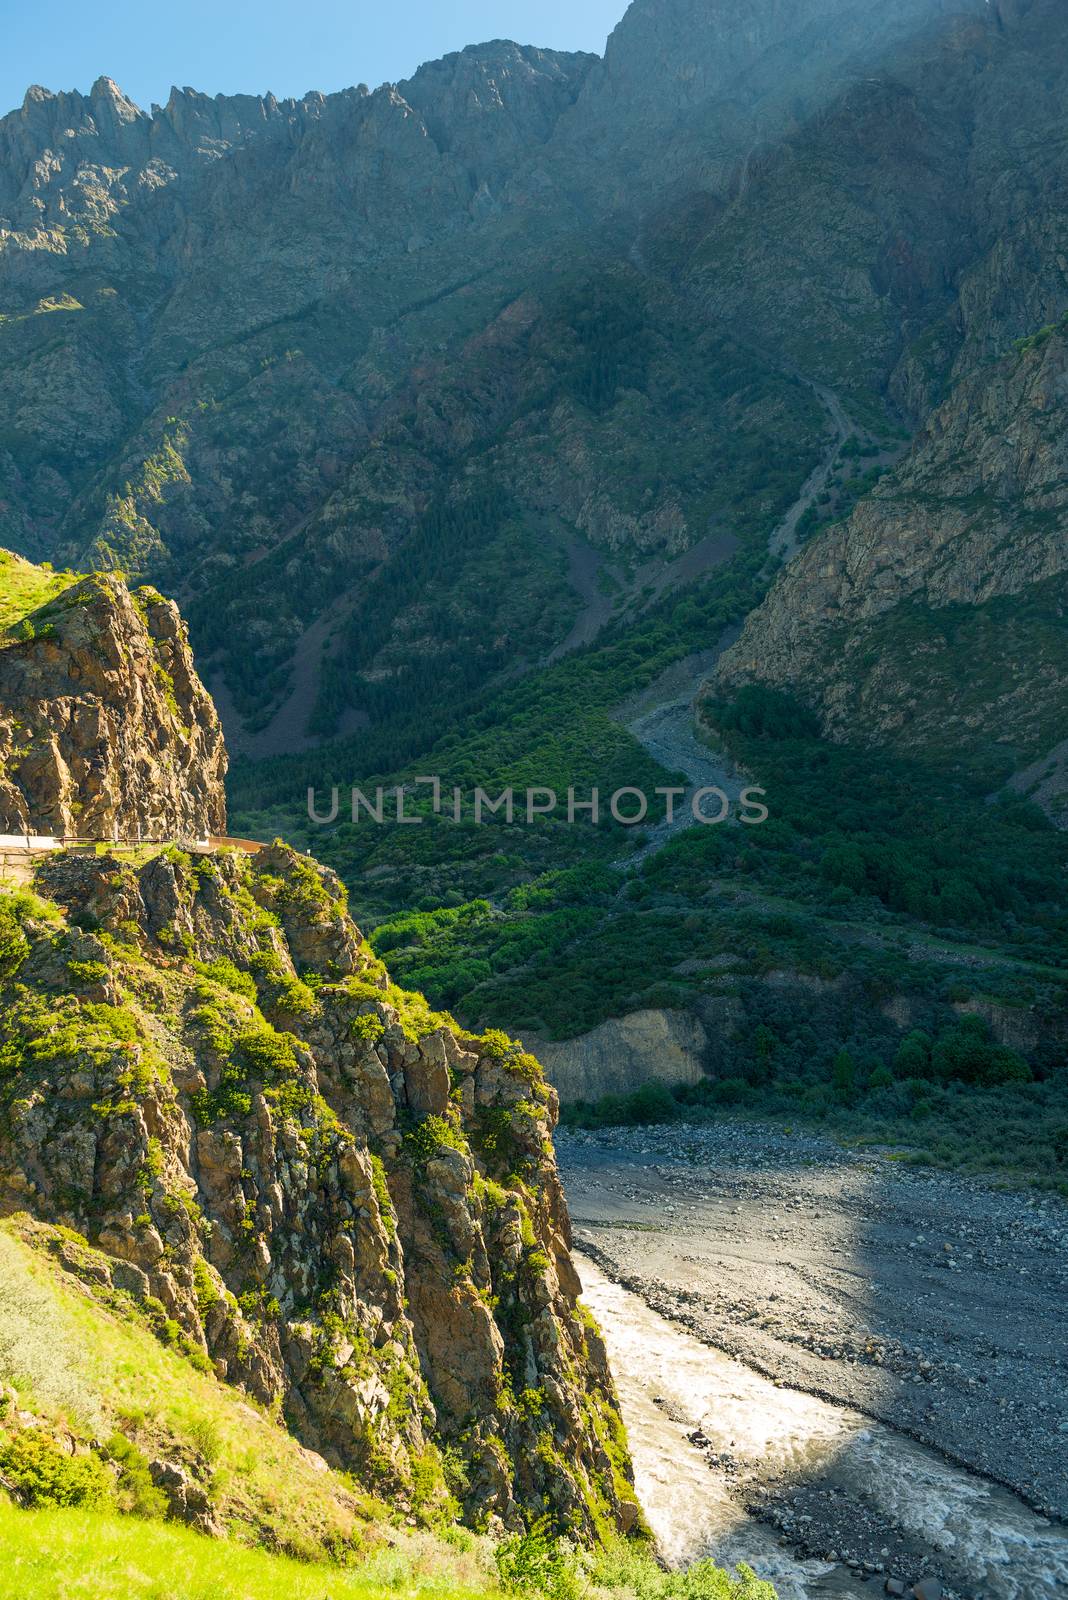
(783, 542)
(662, 718)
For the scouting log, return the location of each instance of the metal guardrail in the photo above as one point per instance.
(42, 843)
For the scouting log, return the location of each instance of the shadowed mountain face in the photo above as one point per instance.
(329, 369)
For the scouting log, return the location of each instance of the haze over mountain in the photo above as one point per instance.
(457, 413)
(540, 297)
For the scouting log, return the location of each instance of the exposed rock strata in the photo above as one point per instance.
(352, 1208)
(933, 617)
(105, 729)
(624, 1053)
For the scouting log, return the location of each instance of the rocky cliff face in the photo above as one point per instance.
(933, 617)
(875, 240)
(752, 66)
(105, 729)
(348, 1205)
(624, 1054)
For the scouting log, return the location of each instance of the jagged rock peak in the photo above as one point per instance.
(106, 88)
(105, 729)
(519, 86)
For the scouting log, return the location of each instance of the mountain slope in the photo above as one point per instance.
(349, 1207)
(933, 619)
(82, 1353)
(475, 450)
(259, 351)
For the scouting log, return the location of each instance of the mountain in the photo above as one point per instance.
(687, 417)
(933, 618)
(233, 1130)
(325, 368)
(105, 728)
(470, 421)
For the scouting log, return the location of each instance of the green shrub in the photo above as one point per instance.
(536, 1561)
(206, 1438)
(844, 1076)
(757, 712)
(204, 1286)
(230, 977)
(431, 1135)
(367, 1027)
(913, 1058)
(14, 945)
(266, 1054)
(135, 1492)
(653, 1102)
(622, 1564)
(41, 1474)
(967, 1053)
(495, 1043)
(87, 972)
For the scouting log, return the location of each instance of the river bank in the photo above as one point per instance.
(929, 1303)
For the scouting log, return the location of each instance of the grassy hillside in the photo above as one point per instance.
(90, 1365)
(889, 888)
(24, 588)
(47, 1555)
(97, 1556)
(91, 1389)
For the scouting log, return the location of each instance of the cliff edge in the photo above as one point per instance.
(106, 732)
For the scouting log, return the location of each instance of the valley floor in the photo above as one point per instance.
(925, 1310)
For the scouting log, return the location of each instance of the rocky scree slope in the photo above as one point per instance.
(934, 617)
(105, 728)
(345, 1204)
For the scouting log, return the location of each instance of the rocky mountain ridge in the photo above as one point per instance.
(105, 729)
(895, 624)
(345, 1205)
(666, 240)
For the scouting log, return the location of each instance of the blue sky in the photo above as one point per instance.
(252, 47)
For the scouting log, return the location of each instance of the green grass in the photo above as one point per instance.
(25, 588)
(83, 1367)
(884, 871)
(91, 1367)
(76, 1555)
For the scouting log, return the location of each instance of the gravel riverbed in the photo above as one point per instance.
(932, 1303)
